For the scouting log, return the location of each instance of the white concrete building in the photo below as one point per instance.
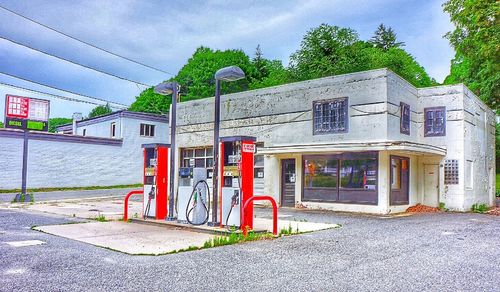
(361, 142)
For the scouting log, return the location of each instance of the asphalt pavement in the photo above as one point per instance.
(431, 252)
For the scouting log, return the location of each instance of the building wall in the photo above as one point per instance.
(73, 161)
(278, 115)
(102, 129)
(282, 116)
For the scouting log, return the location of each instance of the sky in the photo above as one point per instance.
(164, 34)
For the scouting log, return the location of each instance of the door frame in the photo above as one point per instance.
(438, 179)
(391, 176)
(282, 175)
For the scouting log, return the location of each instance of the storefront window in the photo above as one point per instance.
(320, 178)
(357, 182)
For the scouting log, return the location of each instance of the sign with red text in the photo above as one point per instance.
(26, 113)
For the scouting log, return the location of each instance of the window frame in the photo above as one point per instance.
(113, 130)
(149, 130)
(365, 155)
(316, 131)
(402, 121)
(434, 109)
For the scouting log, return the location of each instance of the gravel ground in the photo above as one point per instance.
(431, 252)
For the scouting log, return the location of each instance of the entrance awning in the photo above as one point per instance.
(414, 148)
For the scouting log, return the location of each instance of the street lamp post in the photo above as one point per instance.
(229, 74)
(167, 88)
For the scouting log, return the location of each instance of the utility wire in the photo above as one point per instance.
(84, 42)
(72, 62)
(55, 95)
(52, 87)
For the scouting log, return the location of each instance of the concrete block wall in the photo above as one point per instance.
(73, 161)
(278, 115)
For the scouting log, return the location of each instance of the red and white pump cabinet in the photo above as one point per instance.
(236, 180)
(156, 180)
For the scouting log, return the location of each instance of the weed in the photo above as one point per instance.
(288, 230)
(235, 237)
(101, 218)
(442, 207)
(479, 208)
(22, 198)
(136, 216)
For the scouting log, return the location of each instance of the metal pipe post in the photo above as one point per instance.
(215, 174)
(173, 120)
(25, 163)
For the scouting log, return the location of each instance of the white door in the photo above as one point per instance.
(431, 185)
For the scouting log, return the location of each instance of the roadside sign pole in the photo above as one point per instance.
(25, 163)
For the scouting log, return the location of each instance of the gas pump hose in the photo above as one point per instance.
(188, 211)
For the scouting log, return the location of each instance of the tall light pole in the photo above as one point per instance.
(167, 88)
(229, 74)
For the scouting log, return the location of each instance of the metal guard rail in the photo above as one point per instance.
(261, 198)
(125, 207)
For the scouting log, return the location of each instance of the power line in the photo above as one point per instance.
(84, 42)
(52, 87)
(54, 95)
(72, 62)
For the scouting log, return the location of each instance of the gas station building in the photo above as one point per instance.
(361, 142)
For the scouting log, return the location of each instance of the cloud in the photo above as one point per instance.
(164, 34)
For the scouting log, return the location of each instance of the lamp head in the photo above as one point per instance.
(231, 73)
(165, 88)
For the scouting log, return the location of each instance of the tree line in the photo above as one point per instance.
(324, 51)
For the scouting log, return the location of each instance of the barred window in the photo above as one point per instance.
(197, 157)
(147, 130)
(405, 118)
(435, 121)
(330, 116)
(451, 172)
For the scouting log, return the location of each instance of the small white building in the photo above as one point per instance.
(106, 151)
(362, 142)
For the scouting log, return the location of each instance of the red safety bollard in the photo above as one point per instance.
(260, 198)
(125, 210)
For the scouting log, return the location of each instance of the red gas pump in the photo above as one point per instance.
(156, 171)
(236, 179)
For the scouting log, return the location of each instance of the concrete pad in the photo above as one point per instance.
(129, 237)
(260, 225)
(300, 226)
(111, 209)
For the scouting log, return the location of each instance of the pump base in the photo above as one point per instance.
(171, 218)
(213, 224)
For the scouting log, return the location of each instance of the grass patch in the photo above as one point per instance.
(23, 198)
(479, 208)
(442, 207)
(101, 218)
(37, 190)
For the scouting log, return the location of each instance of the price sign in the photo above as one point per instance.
(26, 113)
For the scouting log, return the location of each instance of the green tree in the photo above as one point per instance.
(267, 72)
(56, 122)
(401, 63)
(100, 110)
(150, 102)
(330, 50)
(385, 38)
(197, 76)
(476, 40)
(323, 52)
